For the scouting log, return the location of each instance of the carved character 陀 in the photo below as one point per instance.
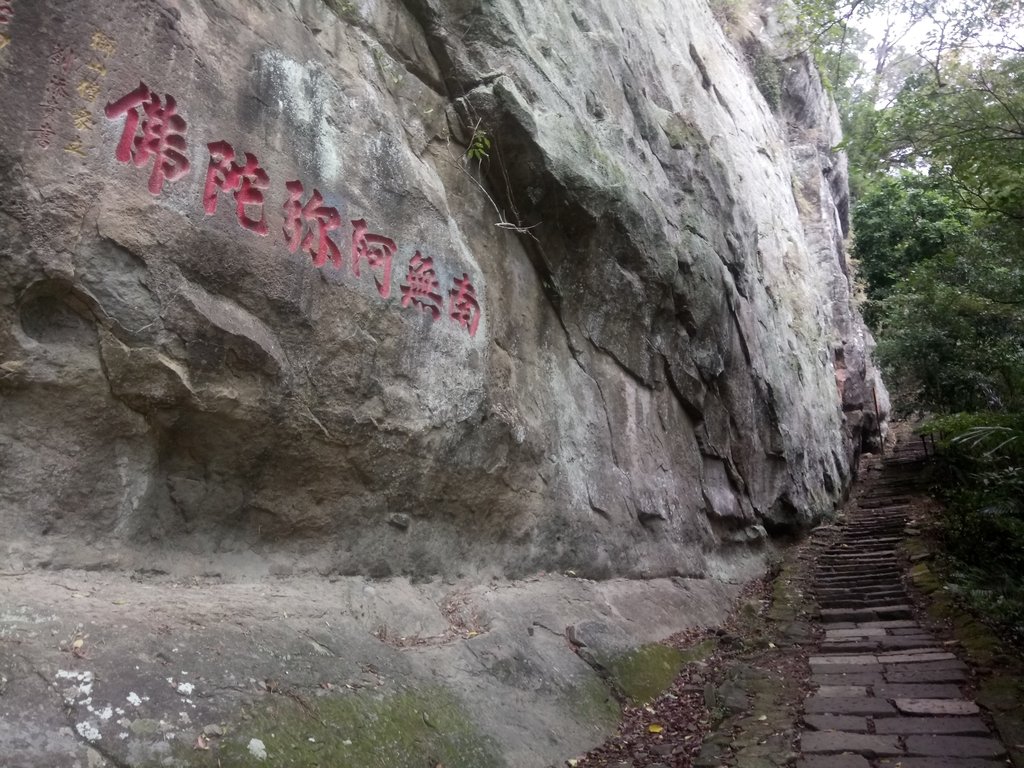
(247, 182)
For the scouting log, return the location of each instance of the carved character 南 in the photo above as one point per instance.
(323, 219)
(162, 138)
(378, 252)
(464, 307)
(246, 181)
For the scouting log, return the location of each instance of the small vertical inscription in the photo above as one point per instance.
(6, 17)
(101, 47)
(56, 96)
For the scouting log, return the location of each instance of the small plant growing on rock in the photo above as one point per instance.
(479, 144)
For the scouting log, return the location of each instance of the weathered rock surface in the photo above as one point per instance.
(665, 362)
(105, 669)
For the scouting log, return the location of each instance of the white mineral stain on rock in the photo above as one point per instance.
(304, 96)
(257, 749)
(106, 713)
(88, 731)
(185, 689)
(133, 699)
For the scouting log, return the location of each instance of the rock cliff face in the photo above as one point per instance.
(258, 306)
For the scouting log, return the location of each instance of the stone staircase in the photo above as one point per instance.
(886, 692)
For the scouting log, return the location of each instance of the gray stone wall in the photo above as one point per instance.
(621, 343)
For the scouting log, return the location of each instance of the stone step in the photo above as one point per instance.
(848, 705)
(879, 644)
(917, 691)
(936, 707)
(865, 744)
(829, 615)
(870, 590)
(906, 726)
(860, 569)
(908, 674)
(849, 723)
(954, 746)
(852, 579)
(861, 602)
(885, 501)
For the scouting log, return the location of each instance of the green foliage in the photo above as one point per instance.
(901, 222)
(479, 145)
(768, 78)
(943, 294)
(982, 528)
(969, 123)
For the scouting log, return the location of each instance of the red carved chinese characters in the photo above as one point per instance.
(464, 307)
(6, 12)
(162, 139)
(246, 181)
(421, 288)
(322, 220)
(378, 252)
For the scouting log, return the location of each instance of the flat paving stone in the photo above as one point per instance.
(842, 690)
(848, 678)
(833, 761)
(867, 744)
(918, 691)
(938, 762)
(832, 669)
(851, 646)
(954, 746)
(866, 614)
(925, 650)
(907, 641)
(914, 630)
(899, 666)
(906, 726)
(936, 706)
(849, 723)
(847, 705)
(856, 633)
(844, 658)
(905, 675)
(914, 658)
(896, 624)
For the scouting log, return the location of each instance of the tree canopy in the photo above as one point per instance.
(930, 93)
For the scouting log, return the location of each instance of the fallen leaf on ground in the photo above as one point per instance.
(655, 728)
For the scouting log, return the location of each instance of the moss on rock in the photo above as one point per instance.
(406, 730)
(646, 672)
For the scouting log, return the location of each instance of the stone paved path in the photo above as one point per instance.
(886, 692)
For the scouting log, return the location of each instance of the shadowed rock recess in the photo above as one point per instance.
(260, 312)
